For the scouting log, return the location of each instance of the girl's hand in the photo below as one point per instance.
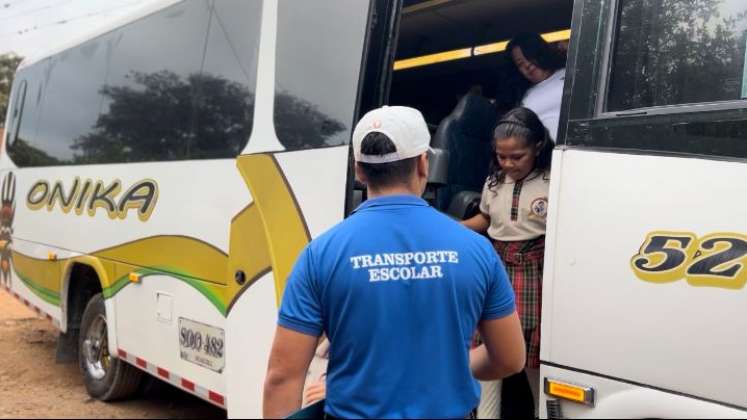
(479, 223)
(316, 392)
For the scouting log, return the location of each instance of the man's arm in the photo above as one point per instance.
(503, 353)
(286, 374)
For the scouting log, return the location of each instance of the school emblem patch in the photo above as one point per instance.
(539, 207)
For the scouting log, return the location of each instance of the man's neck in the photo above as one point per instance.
(398, 190)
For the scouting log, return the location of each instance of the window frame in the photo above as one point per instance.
(606, 63)
(18, 104)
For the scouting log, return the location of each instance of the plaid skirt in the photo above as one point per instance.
(524, 261)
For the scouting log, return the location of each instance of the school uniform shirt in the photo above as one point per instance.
(399, 289)
(517, 210)
(545, 98)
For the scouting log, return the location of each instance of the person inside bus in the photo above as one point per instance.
(513, 212)
(538, 73)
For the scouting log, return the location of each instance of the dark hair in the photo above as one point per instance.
(536, 50)
(521, 123)
(385, 174)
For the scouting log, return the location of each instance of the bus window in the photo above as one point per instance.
(225, 100)
(20, 147)
(149, 96)
(670, 52)
(317, 71)
(17, 112)
(71, 104)
(670, 61)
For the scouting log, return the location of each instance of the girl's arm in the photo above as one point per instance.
(479, 223)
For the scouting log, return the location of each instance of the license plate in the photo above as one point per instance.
(202, 344)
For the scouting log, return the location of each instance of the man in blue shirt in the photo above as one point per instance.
(399, 289)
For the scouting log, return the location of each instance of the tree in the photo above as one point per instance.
(674, 52)
(301, 125)
(162, 116)
(8, 65)
(27, 155)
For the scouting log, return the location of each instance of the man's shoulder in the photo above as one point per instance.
(341, 234)
(342, 228)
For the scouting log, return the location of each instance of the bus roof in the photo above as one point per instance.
(145, 10)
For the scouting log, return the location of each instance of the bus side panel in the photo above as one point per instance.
(625, 401)
(316, 181)
(34, 279)
(157, 322)
(181, 249)
(654, 324)
(41, 296)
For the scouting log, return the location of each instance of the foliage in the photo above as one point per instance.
(674, 52)
(31, 156)
(300, 125)
(162, 117)
(8, 65)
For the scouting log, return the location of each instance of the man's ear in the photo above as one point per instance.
(359, 175)
(423, 165)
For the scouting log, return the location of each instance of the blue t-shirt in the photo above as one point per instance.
(399, 289)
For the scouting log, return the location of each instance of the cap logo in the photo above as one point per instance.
(377, 124)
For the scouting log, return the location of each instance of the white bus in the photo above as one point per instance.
(644, 301)
(159, 178)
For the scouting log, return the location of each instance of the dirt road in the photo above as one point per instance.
(33, 386)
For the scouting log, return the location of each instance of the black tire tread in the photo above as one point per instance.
(126, 382)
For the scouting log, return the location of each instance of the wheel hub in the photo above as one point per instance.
(96, 349)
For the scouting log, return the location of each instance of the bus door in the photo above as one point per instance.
(321, 65)
(646, 266)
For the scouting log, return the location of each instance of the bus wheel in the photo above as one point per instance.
(106, 378)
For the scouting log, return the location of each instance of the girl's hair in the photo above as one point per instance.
(536, 50)
(521, 123)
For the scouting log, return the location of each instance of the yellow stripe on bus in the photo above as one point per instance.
(285, 228)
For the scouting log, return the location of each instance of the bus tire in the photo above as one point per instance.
(106, 378)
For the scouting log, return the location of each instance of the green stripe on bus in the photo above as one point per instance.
(118, 285)
(53, 298)
(122, 282)
(49, 296)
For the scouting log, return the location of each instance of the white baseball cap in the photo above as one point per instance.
(404, 126)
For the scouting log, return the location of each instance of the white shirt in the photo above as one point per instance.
(544, 99)
(523, 220)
